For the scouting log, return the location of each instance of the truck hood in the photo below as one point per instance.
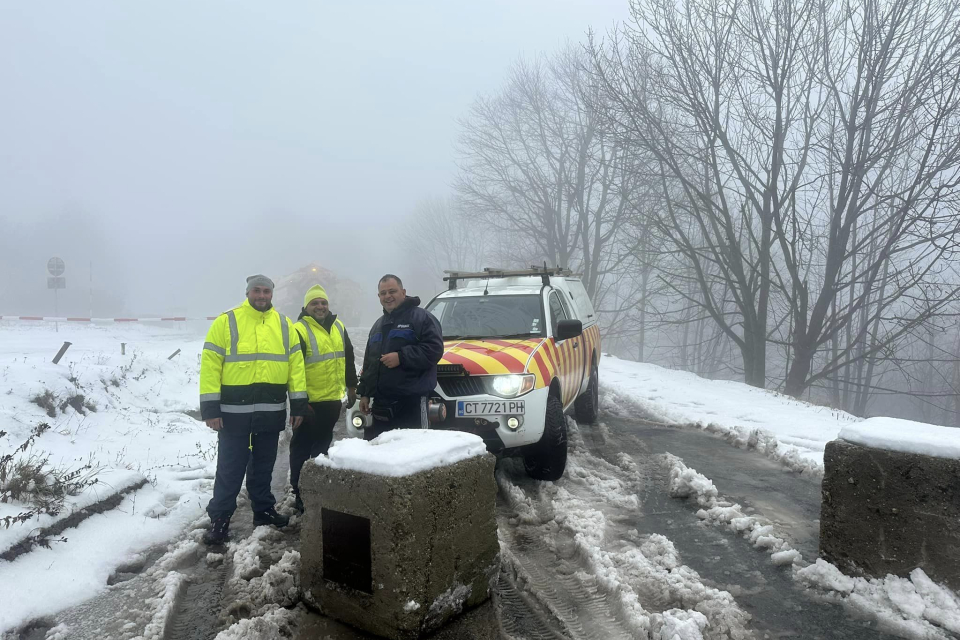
(490, 356)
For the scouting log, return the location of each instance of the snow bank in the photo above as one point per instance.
(403, 452)
(630, 570)
(265, 573)
(688, 483)
(914, 608)
(275, 624)
(164, 605)
(905, 436)
(677, 624)
(782, 428)
(139, 431)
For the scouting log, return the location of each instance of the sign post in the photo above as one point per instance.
(56, 281)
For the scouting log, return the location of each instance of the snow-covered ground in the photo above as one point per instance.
(794, 433)
(600, 578)
(133, 432)
(134, 428)
(789, 430)
(914, 607)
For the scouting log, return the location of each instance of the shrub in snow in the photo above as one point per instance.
(46, 401)
(29, 478)
(79, 403)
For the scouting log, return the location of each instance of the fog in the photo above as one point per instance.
(167, 150)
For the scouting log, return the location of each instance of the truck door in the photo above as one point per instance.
(568, 353)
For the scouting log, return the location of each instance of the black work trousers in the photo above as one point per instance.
(312, 437)
(406, 413)
(242, 454)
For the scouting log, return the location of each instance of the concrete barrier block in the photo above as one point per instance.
(889, 512)
(399, 555)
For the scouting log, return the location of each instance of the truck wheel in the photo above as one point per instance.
(587, 406)
(547, 459)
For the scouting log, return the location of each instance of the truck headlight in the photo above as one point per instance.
(511, 386)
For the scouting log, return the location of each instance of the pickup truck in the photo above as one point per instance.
(522, 349)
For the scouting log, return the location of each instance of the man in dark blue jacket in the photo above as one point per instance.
(400, 363)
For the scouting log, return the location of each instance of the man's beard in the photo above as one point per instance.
(262, 306)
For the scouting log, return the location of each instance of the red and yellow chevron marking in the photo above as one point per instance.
(490, 356)
(543, 358)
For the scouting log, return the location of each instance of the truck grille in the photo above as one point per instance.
(457, 387)
(451, 370)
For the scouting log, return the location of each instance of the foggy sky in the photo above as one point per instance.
(181, 146)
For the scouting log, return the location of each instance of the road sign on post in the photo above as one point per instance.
(56, 267)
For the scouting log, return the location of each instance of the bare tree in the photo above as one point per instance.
(443, 238)
(890, 154)
(539, 169)
(684, 89)
(809, 154)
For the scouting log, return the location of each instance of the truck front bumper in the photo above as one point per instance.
(494, 429)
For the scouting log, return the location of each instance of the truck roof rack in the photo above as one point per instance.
(544, 272)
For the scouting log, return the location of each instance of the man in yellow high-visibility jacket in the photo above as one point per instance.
(251, 363)
(331, 374)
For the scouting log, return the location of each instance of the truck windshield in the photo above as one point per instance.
(489, 316)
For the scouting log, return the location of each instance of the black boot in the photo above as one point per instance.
(219, 531)
(298, 505)
(270, 516)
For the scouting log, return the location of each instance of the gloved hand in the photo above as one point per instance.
(351, 397)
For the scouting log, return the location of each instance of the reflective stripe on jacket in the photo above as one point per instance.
(251, 362)
(324, 359)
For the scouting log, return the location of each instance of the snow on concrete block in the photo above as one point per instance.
(906, 436)
(889, 510)
(400, 533)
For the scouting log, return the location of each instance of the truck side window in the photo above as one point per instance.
(557, 312)
(438, 310)
(566, 304)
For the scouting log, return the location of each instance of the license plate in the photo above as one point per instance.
(492, 408)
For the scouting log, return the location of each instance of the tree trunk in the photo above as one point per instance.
(644, 281)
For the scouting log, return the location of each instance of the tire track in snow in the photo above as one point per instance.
(724, 557)
(521, 617)
(580, 612)
(565, 543)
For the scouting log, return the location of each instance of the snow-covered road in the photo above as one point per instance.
(655, 531)
(775, 496)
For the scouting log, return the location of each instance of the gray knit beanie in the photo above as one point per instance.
(259, 280)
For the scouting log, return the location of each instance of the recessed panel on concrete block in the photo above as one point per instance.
(432, 543)
(346, 550)
(889, 512)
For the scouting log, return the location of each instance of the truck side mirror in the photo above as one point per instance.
(568, 329)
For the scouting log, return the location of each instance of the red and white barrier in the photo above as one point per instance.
(53, 319)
